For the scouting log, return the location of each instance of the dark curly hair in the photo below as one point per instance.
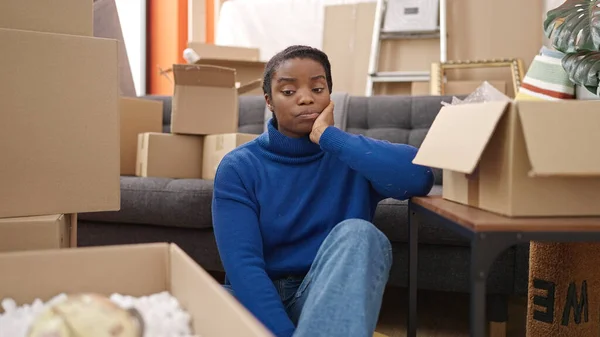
(292, 52)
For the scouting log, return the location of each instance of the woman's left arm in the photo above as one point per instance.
(386, 165)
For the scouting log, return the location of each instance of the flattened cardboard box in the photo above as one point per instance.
(217, 146)
(57, 16)
(518, 159)
(205, 99)
(137, 116)
(135, 270)
(59, 126)
(216, 52)
(245, 61)
(168, 155)
(36, 232)
(348, 49)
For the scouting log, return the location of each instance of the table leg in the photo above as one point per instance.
(485, 248)
(478, 292)
(413, 242)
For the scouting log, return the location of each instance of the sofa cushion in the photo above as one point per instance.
(161, 201)
(392, 218)
(186, 203)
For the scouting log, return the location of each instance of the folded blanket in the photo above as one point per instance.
(546, 79)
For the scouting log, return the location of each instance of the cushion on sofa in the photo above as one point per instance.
(392, 218)
(161, 201)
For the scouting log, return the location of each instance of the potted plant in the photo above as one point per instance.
(574, 29)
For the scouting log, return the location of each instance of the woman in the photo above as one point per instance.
(292, 209)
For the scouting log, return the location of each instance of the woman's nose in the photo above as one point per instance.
(306, 97)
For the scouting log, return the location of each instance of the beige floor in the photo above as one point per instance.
(441, 314)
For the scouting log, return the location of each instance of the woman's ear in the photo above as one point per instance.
(268, 101)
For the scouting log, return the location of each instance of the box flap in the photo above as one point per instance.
(230, 63)
(135, 270)
(218, 52)
(561, 138)
(242, 89)
(41, 218)
(215, 312)
(459, 135)
(203, 75)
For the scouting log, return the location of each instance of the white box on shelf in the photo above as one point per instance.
(411, 16)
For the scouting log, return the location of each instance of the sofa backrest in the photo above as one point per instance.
(398, 119)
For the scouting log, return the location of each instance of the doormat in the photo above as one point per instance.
(564, 290)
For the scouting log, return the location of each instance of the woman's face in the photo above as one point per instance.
(299, 93)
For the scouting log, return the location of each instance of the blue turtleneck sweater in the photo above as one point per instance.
(276, 199)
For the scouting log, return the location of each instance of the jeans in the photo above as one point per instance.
(341, 294)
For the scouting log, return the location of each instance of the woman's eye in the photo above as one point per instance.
(318, 90)
(287, 92)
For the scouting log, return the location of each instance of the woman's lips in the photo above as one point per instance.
(308, 115)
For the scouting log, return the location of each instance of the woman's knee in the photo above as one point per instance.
(354, 230)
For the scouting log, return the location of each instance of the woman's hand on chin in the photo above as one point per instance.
(324, 120)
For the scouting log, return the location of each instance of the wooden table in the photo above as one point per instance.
(490, 234)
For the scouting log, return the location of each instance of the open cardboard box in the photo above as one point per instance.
(205, 99)
(525, 158)
(135, 270)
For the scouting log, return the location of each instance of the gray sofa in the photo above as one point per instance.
(156, 209)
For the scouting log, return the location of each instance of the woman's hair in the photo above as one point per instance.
(292, 52)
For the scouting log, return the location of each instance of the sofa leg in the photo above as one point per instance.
(497, 313)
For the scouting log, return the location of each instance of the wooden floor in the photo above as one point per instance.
(441, 314)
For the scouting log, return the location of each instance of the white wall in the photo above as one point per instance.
(132, 14)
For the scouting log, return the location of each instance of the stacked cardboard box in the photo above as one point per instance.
(137, 116)
(204, 124)
(59, 139)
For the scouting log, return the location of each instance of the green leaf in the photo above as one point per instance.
(583, 68)
(574, 26)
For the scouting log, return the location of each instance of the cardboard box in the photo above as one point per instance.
(36, 232)
(467, 40)
(137, 116)
(518, 159)
(205, 100)
(59, 126)
(169, 156)
(216, 52)
(245, 61)
(57, 16)
(217, 146)
(134, 270)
